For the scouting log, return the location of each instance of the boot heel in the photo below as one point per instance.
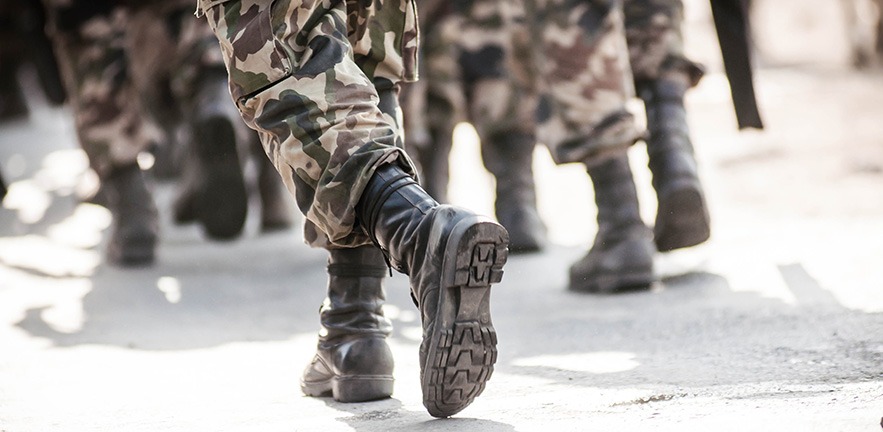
(682, 218)
(463, 352)
(361, 388)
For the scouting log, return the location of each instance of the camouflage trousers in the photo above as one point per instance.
(129, 69)
(655, 41)
(307, 76)
(474, 67)
(584, 80)
(477, 66)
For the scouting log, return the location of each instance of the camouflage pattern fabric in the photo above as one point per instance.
(475, 67)
(306, 76)
(572, 53)
(585, 78)
(130, 69)
(497, 74)
(655, 41)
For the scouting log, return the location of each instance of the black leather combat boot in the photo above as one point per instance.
(135, 228)
(509, 157)
(621, 257)
(213, 192)
(452, 257)
(682, 218)
(353, 362)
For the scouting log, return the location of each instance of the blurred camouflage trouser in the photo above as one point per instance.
(476, 58)
(655, 42)
(584, 78)
(306, 76)
(490, 59)
(475, 67)
(127, 68)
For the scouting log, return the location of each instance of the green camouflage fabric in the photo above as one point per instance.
(475, 67)
(131, 71)
(585, 78)
(306, 76)
(655, 41)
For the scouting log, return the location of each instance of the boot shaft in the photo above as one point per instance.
(615, 195)
(670, 151)
(391, 210)
(354, 305)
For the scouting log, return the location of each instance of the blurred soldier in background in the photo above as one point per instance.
(130, 67)
(475, 67)
(482, 56)
(662, 76)
(585, 84)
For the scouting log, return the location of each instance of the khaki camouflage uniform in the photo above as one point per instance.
(306, 76)
(655, 41)
(573, 52)
(585, 78)
(475, 67)
(129, 67)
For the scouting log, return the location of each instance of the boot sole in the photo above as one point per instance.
(359, 388)
(615, 283)
(463, 343)
(682, 219)
(138, 251)
(222, 203)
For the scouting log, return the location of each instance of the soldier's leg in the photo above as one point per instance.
(443, 104)
(89, 40)
(182, 82)
(583, 118)
(502, 106)
(295, 77)
(662, 77)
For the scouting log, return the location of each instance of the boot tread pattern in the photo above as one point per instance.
(464, 356)
(461, 369)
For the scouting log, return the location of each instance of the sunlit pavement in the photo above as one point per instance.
(775, 324)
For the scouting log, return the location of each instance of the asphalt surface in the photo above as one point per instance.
(775, 324)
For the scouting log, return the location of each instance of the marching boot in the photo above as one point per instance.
(682, 218)
(621, 257)
(509, 157)
(452, 257)
(220, 200)
(353, 362)
(135, 226)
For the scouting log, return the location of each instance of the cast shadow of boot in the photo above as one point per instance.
(392, 415)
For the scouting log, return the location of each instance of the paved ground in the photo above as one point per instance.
(776, 324)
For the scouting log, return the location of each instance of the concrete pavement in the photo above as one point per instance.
(775, 324)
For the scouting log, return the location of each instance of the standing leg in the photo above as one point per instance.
(90, 41)
(662, 76)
